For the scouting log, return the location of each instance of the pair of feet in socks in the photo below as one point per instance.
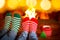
(29, 26)
(16, 20)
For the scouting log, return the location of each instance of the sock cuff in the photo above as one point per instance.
(25, 19)
(17, 15)
(9, 14)
(34, 20)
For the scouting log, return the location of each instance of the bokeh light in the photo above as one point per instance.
(2, 3)
(2, 6)
(45, 4)
(31, 3)
(56, 4)
(12, 4)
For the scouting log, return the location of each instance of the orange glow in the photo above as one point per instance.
(41, 5)
(56, 4)
(2, 6)
(2, 10)
(44, 15)
(21, 3)
(12, 4)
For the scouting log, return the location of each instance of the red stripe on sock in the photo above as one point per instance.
(25, 19)
(33, 27)
(34, 20)
(25, 26)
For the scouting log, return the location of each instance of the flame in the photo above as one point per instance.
(44, 15)
(30, 13)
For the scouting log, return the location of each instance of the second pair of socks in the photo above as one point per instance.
(16, 20)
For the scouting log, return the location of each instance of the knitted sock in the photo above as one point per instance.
(16, 21)
(7, 24)
(33, 25)
(8, 20)
(33, 29)
(25, 24)
(25, 27)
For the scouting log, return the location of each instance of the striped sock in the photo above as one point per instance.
(8, 20)
(33, 25)
(33, 29)
(25, 24)
(25, 27)
(16, 21)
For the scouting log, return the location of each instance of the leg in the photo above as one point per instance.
(25, 27)
(33, 36)
(5, 37)
(16, 21)
(23, 36)
(33, 28)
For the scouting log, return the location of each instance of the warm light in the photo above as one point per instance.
(2, 3)
(12, 4)
(22, 3)
(31, 3)
(44, 15)
(56, 4)
(2, 6)
(45, 4)
(30, 13)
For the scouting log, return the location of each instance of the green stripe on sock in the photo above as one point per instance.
(8, 14)
(17, 15)
(16, 21)
(7, 21)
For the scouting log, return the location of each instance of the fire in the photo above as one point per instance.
(44, 15)
(30, 13)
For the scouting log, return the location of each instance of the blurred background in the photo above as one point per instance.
(48, 13)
